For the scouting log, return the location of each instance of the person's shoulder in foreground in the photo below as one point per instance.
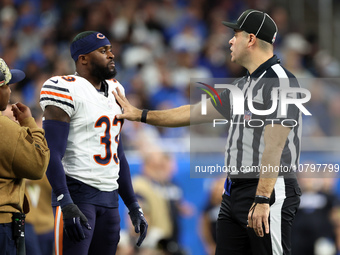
(23, 147)
(26, 153)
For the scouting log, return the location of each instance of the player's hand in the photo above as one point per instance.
(139, 222)
(129, 112)
(257, 217)
(21, 112)
(73, 221)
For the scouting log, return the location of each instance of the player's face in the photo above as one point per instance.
(102, 64)
(5, 93)
(238, 47)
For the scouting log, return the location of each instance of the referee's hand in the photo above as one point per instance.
(129, 112)
(258, 217)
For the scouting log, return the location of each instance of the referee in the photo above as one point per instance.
(258, 207)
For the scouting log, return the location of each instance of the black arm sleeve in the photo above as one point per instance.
(125, 189)
(56, 133)
(223, 108)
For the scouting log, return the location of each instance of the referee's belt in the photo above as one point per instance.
(240, 181)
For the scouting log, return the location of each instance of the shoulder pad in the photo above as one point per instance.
(56, 91)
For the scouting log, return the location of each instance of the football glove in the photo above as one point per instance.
(73, 221)
(139, 222)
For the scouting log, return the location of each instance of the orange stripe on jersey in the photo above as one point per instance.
(56, 94)
(58, 232)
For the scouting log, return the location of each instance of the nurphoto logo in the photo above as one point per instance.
(281, 98)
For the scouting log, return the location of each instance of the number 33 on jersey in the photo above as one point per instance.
(91, 153)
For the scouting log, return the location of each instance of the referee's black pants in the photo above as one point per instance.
(233, 236)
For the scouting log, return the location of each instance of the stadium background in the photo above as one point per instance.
(158, 46)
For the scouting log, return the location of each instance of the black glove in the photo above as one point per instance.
(139, 222)
(73, 221)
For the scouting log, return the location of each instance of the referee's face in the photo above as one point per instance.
(238, 47)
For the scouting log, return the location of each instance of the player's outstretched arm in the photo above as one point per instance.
(176, 117)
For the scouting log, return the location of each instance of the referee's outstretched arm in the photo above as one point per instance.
(177, 117)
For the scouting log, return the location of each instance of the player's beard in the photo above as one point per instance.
(103, 72)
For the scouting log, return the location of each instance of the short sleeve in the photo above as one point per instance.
(222, 103)
(56, 92)
(291, 112)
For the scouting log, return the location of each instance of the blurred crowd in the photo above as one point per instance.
(159, 45)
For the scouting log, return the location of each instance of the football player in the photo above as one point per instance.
(88, 168)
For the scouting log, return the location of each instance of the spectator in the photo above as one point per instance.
(210, 215)
(40, 220)
(24, 155)
(313, 231)
(161, 199)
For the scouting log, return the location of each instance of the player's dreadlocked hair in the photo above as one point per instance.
(82, 35)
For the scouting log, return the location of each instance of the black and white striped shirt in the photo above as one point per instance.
(245, 143)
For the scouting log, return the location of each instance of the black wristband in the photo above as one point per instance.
(261, 199)
(144, 114)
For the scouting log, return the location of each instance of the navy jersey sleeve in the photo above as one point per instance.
(56, 133)
(125, 189)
